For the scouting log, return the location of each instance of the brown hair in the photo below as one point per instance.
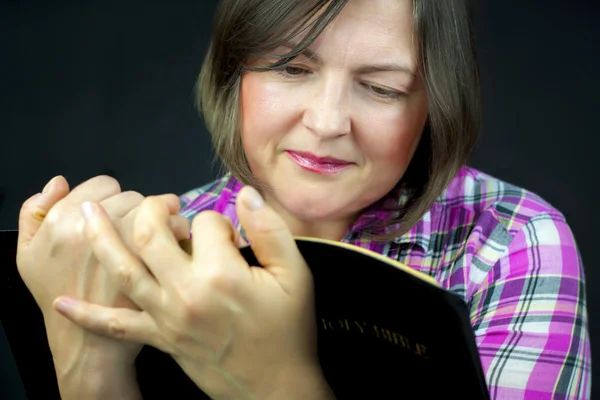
(247, 29)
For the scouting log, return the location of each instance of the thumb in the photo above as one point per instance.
(271, 240)
(34, 210)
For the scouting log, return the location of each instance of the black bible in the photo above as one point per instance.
(385, 331)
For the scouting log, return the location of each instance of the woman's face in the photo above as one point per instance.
(335, 130)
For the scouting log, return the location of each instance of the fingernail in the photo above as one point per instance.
(87, 209)
(49, 184)
(65, 304)
(254, 200)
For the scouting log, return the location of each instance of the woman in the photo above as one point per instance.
(353, 120)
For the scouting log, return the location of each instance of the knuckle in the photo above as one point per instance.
(220, 281)
(115, 328)
(64, 224)
(170, 199)
(81, 318)
(152, 202)
(30, 201)
(208, 215)
(152, 206)
(147, 219)
(210, 218)
(188, 316)
(52, 217)
(121, 204)
(131, 200)
(107, 182)
(133, 196)
(191, 308)
(142, 234)
(124, 274)
(32, 208)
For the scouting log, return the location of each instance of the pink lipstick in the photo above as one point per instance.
(320, 165)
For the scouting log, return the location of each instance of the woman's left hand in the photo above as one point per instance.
(238, 331)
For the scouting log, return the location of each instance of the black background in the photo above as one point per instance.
(107, 87)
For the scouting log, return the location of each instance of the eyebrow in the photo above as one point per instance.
(364, 69)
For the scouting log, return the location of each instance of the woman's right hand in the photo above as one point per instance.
(53, 259)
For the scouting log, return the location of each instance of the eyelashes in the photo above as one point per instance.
(286, 69)
(383, 92)
(293, 72)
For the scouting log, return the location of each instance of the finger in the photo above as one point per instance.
(155, 242)
(215, 241)
(172, 202)
(95, 189)
(186, 243)
(122, 208)
(125, 268)
(180, 226)
(126, 204)
(34, 210)
(115, 323)
(271, 239)
(121, 204)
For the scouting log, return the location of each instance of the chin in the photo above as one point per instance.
(308, 208)
(305, 199)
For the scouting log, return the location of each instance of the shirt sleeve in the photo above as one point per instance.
(530, 319)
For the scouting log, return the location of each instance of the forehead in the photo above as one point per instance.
(367, 29)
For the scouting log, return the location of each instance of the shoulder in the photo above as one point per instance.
(218, 195)
(482, 228)
(487, 200)
(520, 272)
(495, 213)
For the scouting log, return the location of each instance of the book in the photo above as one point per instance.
(384, 331)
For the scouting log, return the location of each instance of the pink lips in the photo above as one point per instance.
(321, 165)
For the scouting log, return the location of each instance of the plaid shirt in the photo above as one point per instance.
(511, 257)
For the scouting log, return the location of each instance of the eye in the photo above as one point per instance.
(291, 71)
(384, 93)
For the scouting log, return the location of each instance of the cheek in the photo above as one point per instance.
(265, 108)
(253, 103)
(255, 107)
(396, 138)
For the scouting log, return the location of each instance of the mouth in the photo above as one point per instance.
(320, 165)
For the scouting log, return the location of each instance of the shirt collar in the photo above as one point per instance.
(373, 220)
(419, 235)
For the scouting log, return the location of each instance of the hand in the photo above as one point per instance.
(238, 331)
(54, 259)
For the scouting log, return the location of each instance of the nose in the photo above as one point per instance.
(327, 112)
